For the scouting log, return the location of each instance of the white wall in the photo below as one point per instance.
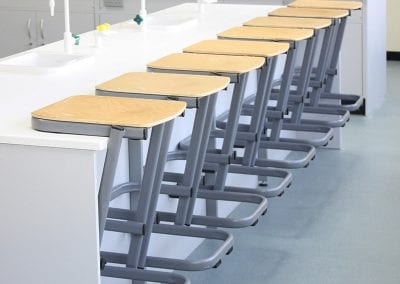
(393, 23)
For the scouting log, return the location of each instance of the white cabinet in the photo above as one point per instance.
(27, 24)
(18, 31)
(23, 30)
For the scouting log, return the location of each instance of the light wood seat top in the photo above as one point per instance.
(208, 63)
(127, 112)
(310, 13)
(239, 47)
(166, 84)
(348, 5)
(289, 22)
(267, 33)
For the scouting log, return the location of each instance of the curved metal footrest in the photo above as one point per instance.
(222, 222)
(325, 131)
(123, 188)
(356, 101)
(182, 264)
(144, 275)
(259, 171)
(344, 116)
(309, 151)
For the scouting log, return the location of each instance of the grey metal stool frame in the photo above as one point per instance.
(321, 86)
(352, 102)
(339, 116)
(237, 68)
(95, 116)
(199, 92)
(298, 97)
(275, 116)
(269, 51)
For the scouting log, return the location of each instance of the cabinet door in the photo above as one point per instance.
(51, 29)
(18, 32)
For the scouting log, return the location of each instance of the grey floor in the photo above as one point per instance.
(340, 222)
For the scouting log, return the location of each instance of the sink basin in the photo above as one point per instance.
(171, 21)
(40, 61)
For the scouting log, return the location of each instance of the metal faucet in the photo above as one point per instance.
(67, 32)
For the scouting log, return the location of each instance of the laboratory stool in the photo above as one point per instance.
(270, 51)
(275, 123)
(299, 96)
(200, 93)
(329, 52)
(350, 102)
(237, 68)
(119, 118)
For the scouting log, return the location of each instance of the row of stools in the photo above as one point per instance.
(140, 106)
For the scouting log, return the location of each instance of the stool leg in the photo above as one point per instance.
(144, 198)
(135, 152)
(335, 54)
(287, 78)
(260, 103)
(107, 179)
(155, 192)
(192, 160)
(203, 150)
(262, 152)
(322, 64)
(229, 140)
(305, 75)
(231, 129)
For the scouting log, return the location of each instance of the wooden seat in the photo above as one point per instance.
(165, 84)
(208, 63)
(126, 112)
(347, 5)
(267, 33)
(289, 22)
(239, 47)
(310, 13)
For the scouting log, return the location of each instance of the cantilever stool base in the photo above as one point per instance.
(323, 75)
(275, 116)
(237, 68)
(248, 135)
(200, 93)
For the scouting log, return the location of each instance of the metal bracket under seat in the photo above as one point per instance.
(182, 264)
(88, 129)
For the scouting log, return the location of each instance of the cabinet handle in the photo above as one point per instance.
(42, 30)
(29, 24)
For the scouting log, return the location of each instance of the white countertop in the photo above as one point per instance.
(125, 48)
